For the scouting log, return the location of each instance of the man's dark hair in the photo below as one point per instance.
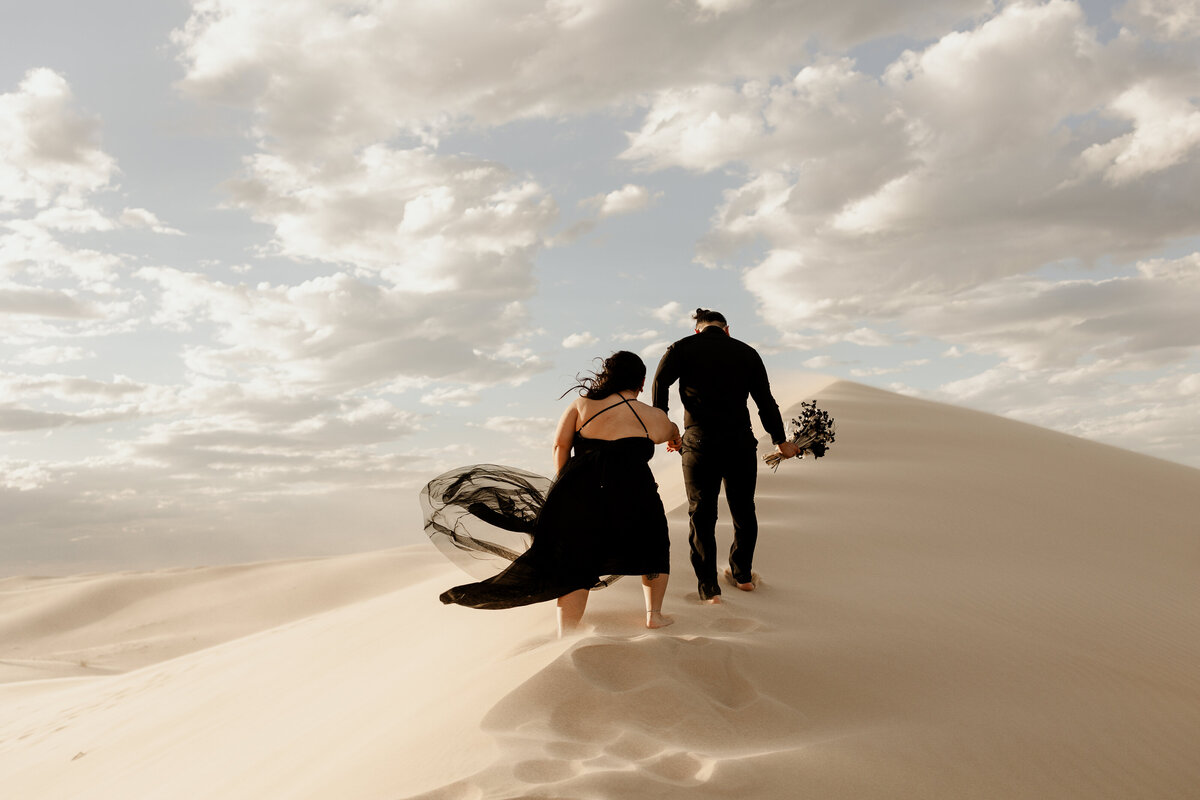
(706, 316)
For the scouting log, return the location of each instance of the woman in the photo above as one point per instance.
(602, 515)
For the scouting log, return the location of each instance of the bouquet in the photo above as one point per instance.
(812, 432)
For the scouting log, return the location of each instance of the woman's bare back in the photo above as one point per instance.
(604, 421)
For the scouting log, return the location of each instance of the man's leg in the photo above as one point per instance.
(702, 478)
(741, 476)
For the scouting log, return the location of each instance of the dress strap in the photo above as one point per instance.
(639, 419)
(614, 405)
(598, 413)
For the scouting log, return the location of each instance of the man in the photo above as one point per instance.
(716, 373)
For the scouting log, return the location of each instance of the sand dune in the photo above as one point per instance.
(953, 605)
(91, 624)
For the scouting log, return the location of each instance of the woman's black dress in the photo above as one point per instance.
(601, 517)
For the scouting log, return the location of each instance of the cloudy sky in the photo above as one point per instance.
(267, 267)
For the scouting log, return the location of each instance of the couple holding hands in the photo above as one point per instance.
(603, 516)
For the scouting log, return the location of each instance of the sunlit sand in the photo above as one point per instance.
(951, 605)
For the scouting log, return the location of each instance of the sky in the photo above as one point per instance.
(266, 268)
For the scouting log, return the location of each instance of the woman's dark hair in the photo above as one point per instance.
(620, 371)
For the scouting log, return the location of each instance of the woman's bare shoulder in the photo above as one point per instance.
(579, 404)
(650, 412)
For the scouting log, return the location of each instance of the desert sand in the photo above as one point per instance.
(953, 605)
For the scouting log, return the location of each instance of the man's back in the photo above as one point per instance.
(716, 374)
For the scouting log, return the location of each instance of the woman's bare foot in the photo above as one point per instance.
(656, 619)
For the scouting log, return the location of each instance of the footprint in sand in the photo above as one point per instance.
(577, 751)
(634, 746)
(682, 768)
(670, 710)
(678, 688)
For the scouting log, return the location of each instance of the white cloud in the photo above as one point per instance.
(426, 69)
(1136, 322)
(584, 339)
(876, 197)
(671, 312)
(43, 302)
(652, 352)
(425, 222)
(340, 333)
(723, 6)
(214, 497)
(30, 249)
(825, 113)
(18, 386)
(538, 426)
(16, 418)
(450, 239)
(1166, 130)
(1158, 416)
(870, 372)
(626, 200)
(51, 354)
(22, 476)
(863, 337)
(1173, 20)
(53, 173)
(73, 220)
(451, 396)
(48, 149)
(700, 128)
(49, 401)
(141, 218)
(1067, 351)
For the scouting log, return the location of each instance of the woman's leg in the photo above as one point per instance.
(570, 611)
(655, 589)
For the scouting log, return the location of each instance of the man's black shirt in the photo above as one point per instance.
(716, 374)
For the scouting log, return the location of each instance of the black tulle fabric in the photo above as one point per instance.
(536, 540)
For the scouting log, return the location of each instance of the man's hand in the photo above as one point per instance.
(787, 449)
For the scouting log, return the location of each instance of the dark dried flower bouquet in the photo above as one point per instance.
(813, 432)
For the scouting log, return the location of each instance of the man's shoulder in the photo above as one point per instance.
(726, 343)
(698, 343)
(748, 349)
(679, 345)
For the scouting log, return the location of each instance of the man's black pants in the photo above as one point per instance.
(710, 459)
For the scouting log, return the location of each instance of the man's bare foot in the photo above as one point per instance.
(656, 619)
(745, 587)
(715, 600)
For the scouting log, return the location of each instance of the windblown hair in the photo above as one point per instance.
(620, 371)
(706, 316)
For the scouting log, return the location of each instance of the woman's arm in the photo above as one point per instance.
(660, 427)
(564, 437)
